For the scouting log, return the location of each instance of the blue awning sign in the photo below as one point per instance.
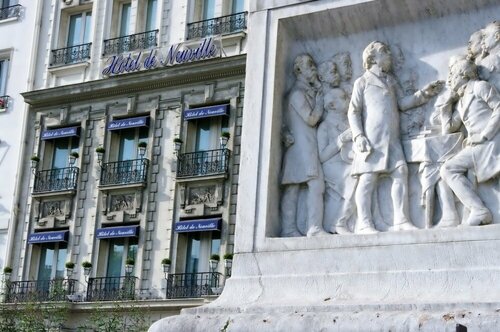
(113, 232)
(141, 121)
(201, 225)
(60, 132)
(206, 112)
(45, 237)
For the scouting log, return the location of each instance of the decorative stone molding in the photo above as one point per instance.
(121, 207)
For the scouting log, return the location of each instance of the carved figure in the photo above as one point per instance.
(334, 138)
(478, 109)
(474, 48)
(301, 164)
(489, 66)
(374, 120)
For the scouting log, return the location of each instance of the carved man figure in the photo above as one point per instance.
(374, 119)
(489, 66)
(334, 137)
(478, 108)
(474, 47)
(301, 166)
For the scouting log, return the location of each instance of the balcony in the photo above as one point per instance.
(9, 12)
(192, 285)
(143, 40)
(4, 103)
(39, 290)
(54, 180)
(203, 163)
(111, 288)
(124, 172)
(70, 55)
(217, 26)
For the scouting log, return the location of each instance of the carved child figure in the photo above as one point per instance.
(478, 108)
(374, 120)
(334, 137)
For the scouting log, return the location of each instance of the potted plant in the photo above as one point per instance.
(141, 147)
(2, 104)
(129, 265)
(34, 161)
(214, 261)
(72, 157)
(69, 268)
(100, 153)
(87, 267)
(224, 137)
(7, 271)
(165, 263)
(177, 144)
(228, 260)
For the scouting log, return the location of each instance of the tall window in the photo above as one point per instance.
(151, 15)
(8, 3)
(4, 66)
(62, 149)
(125, 19)
(52, 261)
(128, 141)
(79, 29)
(208, 131)
(201, 245)
(238, 6)
(208, 9)
(119, 250)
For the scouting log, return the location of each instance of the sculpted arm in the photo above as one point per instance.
(490, 95)
(326, 148)
(355, 117)
(299, 104)
(420, 97)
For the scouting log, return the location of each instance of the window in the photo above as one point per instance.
(128, 142)
(201, 245)
(207, 132)
(238, 6)
(151, 15)
(119, 250)
(79, 29)
(4, 67)
(62, 148)
(208, 9)
(125, 19)
(52, 261)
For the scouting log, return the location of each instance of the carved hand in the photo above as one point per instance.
(475, 139)
(362, 144)
(433, 88)
(288, 140)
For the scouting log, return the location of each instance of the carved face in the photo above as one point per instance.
(308, 71)
(490, 39)
(331, 75)
(456, 79)
(474, 47)
(345, 67)
(382, 57)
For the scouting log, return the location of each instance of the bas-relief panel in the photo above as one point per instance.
(396, 135)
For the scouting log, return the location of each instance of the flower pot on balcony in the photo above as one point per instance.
(177, 145)
(72, 158)
(165, 263)
(87, 268)
(224, 138)
(34, 161)
(7, 272)
(141, 149)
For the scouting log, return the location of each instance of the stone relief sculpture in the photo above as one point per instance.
(478, 106)
(335, 150)
(301, 164)
(339, 140)
(374, 120)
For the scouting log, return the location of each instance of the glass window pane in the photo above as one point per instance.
(208, 9)
(238, 6)
(125, 20)
(75, 30)
(61, 153)
(215, 245)
(193, 253)
(115, 258)
(61, 262)
(4, 65)
(88, 26)
(203, 142)
(127, 145)
(151, 15)
(46, 262)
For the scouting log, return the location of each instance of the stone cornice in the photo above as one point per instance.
(146, 80)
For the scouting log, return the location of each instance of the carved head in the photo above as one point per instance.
(328, 73)
(344, 65)
(474, 48)
(461, 72)
(377, 53)
(491, 36)
(305, 69)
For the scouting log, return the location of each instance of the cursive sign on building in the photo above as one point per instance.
(198, 225)
(176, 54)
(112, 232)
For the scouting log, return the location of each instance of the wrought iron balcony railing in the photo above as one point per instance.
(143, 40)
(11, 11)
(202, 163)
(69, 55)
(57, 179)
(4, 102)
(182, 285)
(39, 290)
(217, 26)
(124, 172)
(111, 288)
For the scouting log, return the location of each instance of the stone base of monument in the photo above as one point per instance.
(427, 280)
